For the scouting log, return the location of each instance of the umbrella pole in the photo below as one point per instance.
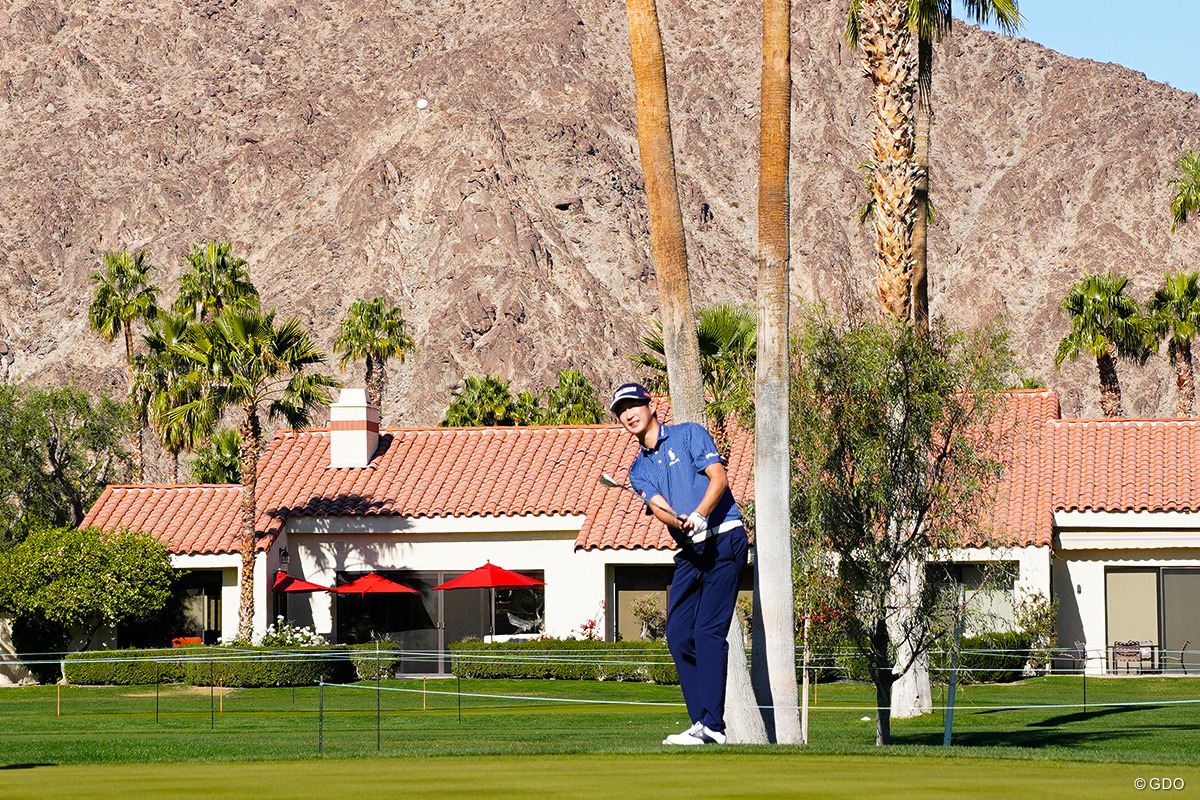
(493, 590)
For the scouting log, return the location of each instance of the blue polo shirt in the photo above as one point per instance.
(674, 468)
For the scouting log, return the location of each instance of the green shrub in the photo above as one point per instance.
(375, 660)
(132, 667)
(565, 659)
(998, 657)
(251, 667)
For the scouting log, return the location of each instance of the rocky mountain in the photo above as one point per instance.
(507, 218)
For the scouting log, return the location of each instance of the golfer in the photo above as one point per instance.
(679, 467)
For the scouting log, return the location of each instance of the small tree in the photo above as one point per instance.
(486, 400)
(217, 460)
(83, 579)
(1107, 324)
(895, 459)
(572, 402)
(59, 448)
(374, 332)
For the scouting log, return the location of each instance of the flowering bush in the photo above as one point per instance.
(592, 629)
(286, 634)
(649, 609)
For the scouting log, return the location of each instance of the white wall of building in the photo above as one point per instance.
(1088, 542)
(576, 582)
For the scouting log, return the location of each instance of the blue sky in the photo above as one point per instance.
(1157, 37)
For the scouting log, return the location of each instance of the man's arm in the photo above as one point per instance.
(718, 482)
(659, 506)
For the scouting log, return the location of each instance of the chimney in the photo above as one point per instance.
(353, 430)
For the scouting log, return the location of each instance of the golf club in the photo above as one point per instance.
(613, 483)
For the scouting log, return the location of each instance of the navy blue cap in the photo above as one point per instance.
(632, 393)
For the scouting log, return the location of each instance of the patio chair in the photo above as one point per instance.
(1126, 653)
(1166, 655)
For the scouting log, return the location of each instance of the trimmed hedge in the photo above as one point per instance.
(565, 659)
(375, 661)
(253, 667)
(131, 667)
(994, 657)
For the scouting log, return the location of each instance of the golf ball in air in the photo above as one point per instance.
(422, 104)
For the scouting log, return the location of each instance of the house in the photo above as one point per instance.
(420, 506)
(1100, 514)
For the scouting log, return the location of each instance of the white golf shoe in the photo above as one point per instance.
(697, 734)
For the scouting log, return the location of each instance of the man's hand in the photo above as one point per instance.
(696, 527)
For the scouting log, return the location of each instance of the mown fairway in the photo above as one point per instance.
(271, 743)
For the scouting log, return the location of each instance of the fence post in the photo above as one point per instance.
(156, 685)
(321, 720)
(804, 681)
(212, 695)
(378, 677)
(953, 680)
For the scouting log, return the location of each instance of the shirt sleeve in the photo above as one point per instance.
(703, 449)
(637, 479)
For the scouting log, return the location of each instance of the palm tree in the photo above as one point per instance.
(213, 278)
(158, 390)
(373, 331)
(122, 296)
(930, 20)
(774, 640)
(682, 351)
(217, 460)
(728, 340)
(1175, 314)
(1187, 195)
(572, 402)
(1108, 324)
(881, 29)
(242, 361)
(483, 400)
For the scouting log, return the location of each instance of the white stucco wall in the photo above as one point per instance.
(1088, 542)
(576, 582)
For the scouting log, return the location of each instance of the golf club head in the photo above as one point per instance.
(609, 481)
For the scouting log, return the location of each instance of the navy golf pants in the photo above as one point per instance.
(700, 607)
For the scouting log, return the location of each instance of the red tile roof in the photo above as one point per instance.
(1021, 512)
(1125, 465)
(189, 519)
(1053, 464)
(418, 472)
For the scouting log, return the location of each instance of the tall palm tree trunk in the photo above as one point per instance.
(1180, 352)
(135, 433)
(920, 276)
(667, 242)
(680, 345)
(376, 381)
(251, 433)
(773, 670)
(1110, 385)
(889, 59)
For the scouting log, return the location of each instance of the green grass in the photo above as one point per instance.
(105, 736)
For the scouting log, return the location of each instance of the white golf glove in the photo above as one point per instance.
(699, 531)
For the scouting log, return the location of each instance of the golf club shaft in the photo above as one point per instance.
(659, 506)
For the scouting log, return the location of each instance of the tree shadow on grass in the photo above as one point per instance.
(26, 766)
(1049, 732)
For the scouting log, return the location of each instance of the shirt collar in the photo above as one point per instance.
(662, 434)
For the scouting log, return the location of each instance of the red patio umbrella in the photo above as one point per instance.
(286, 583)
(371, 583)
(491, 577)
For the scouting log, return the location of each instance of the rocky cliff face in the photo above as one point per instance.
(507, 218)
